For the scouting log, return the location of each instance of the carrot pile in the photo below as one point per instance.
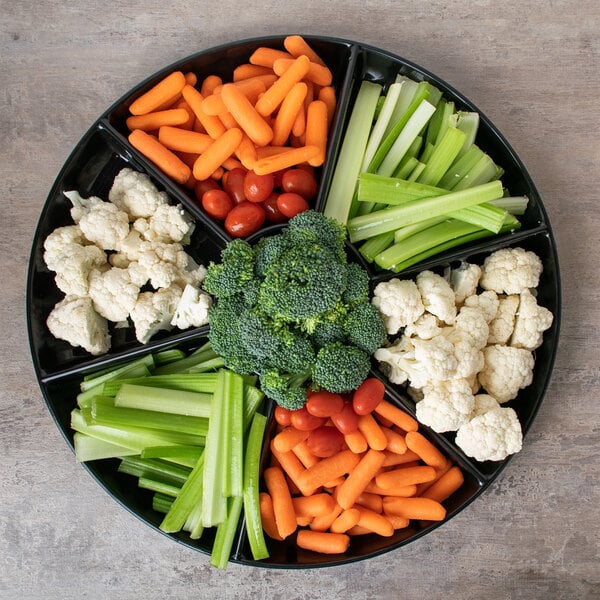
(372, 473)
(274, 114)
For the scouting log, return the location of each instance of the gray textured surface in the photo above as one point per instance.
(533, 68)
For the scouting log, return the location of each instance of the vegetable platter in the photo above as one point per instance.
(357, 159)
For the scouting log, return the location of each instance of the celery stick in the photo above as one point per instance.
(407, 95)
(393, 190)
(406, 232)
(375, 245)
(390, 219)
(515, 205)
(469, 123)
(483, 171)
(194, 522)
(431, 132)
(254, 529)
(338, 204)
(253, 398)
(226, 531)
(406, 167)
(486, 216)
(88, 448)
(416, 172)
(194, 363)
(163, 400)
(161, 503)
(158, 486)
(183, 455)
(191, 382)
(92, 379)
(156, 469)
(235, 477)
(166, 356)
(442, 156)
(460, 167)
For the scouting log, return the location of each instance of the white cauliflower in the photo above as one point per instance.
(75, 321)
(56, 241)
(486, 302)
(425, 327)
(153, 312)
(471, 323)
(483, 403)
(168, 223)
(446, 406)
(510, 271)
(464, 281)
(437, 296)
(493, 435)
(113, 293)
(531, 322)
(135, 194)
(192, 309)
(392, 358)
(399, 303)
(506, 371)
(503, 324)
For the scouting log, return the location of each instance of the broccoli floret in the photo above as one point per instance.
(284, 389)
(357, 285)
(326, 332)
(315, 226)
(340, 368)
(268, 250)
(235, 271)
(364, 327)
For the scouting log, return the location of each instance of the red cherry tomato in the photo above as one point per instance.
(325, 441)
(274, 215)
(244, 219)
(346, 420)
(367, 396)
(203, 186)
(233, 184)
(303, 420)
(277, 177)
(283, 416)
(324, 404)
(290, 204)
(258, 188)
(300, 182)
(217, 203)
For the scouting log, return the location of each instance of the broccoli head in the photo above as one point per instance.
(364, 327)
(234, 273)
(268, 250)
(287, 390)
(340, 368)
(357, 285)
(311, 225)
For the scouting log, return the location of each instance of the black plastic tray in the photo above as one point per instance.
(104, 150)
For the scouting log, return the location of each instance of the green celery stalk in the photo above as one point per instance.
(375, 245)
(235, 477)
(161, 503)
(226, 531)
(407, 95)
(253, 398)
(515, 205)
(416, 172)
(483, 171)
(338, 204)
(158, 486)
(469, 123)
(433, 127)
(460, 167)
(163, 400)
(164, 357)
(486, 216)
(183, 455)
(156, 469)
(406, 167)
(191, 382)
(88, 448)
(390, 219)
(442, 156)
(393, 190)
(406, 232)
(93, 379)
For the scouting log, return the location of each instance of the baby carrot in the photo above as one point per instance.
(446, 485)
(369, 427)
(356, 441)
(265, 57)
(293, 468)
(370, 500)
(306, 457)
(163, 91)
(303, 521)
(267, 516)
(405, 476)
(327, 95)
(324, 522)
(248, 70)
(347, 519)
(428, 453)
(191, 78)
(284, 160)
(375, 522)
(289, 437)
(395, 442)
(405, 491)
(323, 542)
(397, 416)
(252, 123)
(213, 104)
(398, 522)
(299, 125)
(213, 126)
(247, 152)
(191, 116)
(316, 73)
(316, 130)
(358, 478)
(283, 508)
(168, 162)
(286, 115)
(209, 84)
(328, 469)
(316, 505)
(297, 45)
(358, 530)
(214, 156)
(154, 120)
(274, 96)
(182, 140)
(392, 459)
(414, 508)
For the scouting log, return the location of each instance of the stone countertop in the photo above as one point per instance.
(533, 68)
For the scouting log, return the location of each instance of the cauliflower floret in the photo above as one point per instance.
(506, 371)
(58, 239)
(464, 281)
(168, 224)
(471, 323)
(192, 273)
(81, 206)
(192, 310)
(132, 246)
(486, 302)
(446, 406)
(531, 322)
(153, 312)
(427, 326)
(483, 403)
(113, 293)
(437, 296)
(399, 303)
(74, 320)
(493, 435)
(435, 360)
(510, 271)
(502, 325)
(392, 357)
(134, 193)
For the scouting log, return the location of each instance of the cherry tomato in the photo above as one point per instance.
(217, 203)
(203, 186)
(290, 204)
(277, 177)
(324, 404)
(367, 396)
(300, 182)
(233, 184)
(244, 219)
(258, 188)
(283, 416)
(274, 215)
(325, 441)
(346, 420)
(303, 420)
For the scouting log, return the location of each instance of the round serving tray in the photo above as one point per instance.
(104, 150)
